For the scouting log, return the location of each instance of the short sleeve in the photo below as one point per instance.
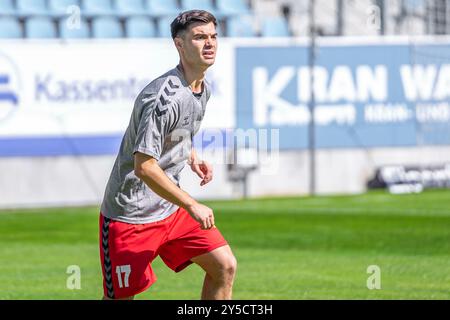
(152, 131)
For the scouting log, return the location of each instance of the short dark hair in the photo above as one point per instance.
(186, 18)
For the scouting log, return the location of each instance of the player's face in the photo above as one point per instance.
(200, 44)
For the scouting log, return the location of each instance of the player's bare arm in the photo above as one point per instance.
(147, 169)
(201, 167)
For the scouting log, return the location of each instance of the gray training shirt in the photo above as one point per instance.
(166, 116)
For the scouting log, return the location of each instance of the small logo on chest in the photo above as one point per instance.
(186, 120)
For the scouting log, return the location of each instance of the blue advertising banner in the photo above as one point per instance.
(372, 95)
(375, 93)
(70, 99)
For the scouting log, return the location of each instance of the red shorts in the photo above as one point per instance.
(127, 250)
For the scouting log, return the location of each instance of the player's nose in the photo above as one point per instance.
(209, 41)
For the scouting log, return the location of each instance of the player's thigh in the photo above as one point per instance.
(187, 240)
(217, 262)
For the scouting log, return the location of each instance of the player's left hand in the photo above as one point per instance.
(204, 170)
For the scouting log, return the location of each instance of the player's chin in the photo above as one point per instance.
(209, 61)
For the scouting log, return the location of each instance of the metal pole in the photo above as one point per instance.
(245, 185)
(381, 5)
(427, 18)
(312, 102)
(340, 18)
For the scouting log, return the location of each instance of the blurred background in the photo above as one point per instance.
(374, 73)
(70, 71)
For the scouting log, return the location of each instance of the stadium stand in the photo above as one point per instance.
(232, 7)
(59, 8)
(240, 26)
(129, 7)
(158, 8)
(126, 18)
(140, 27)
(10, 28)
(107, 27)
(39, 28)
(163, 25)
(7, 8)
(97, 8)
(66, 31)
(198, 4)
(275, 27)
(333, 18)
(32, 8)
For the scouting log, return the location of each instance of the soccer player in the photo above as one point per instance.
(144, 212)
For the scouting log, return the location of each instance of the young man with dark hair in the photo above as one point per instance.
(144, 212)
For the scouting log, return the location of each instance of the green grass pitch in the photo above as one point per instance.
(289, 248)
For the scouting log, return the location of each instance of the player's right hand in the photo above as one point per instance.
(202, 214)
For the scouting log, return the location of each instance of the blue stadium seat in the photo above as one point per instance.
(163, 24)
(7, 7)
(240, 26)
(10, 28)
(140, 27)
(199, 4)
(106, 27)
(32, 7)
(97, 7)
(413, 5)
(129, 7)
(40, 27)
(59, 7)
(275, 27)
(232, 7)
(73, 32)
(162, 7)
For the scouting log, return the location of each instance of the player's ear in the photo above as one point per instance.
(178, 42)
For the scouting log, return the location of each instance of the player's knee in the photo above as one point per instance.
(228, 268)
(232, 265)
